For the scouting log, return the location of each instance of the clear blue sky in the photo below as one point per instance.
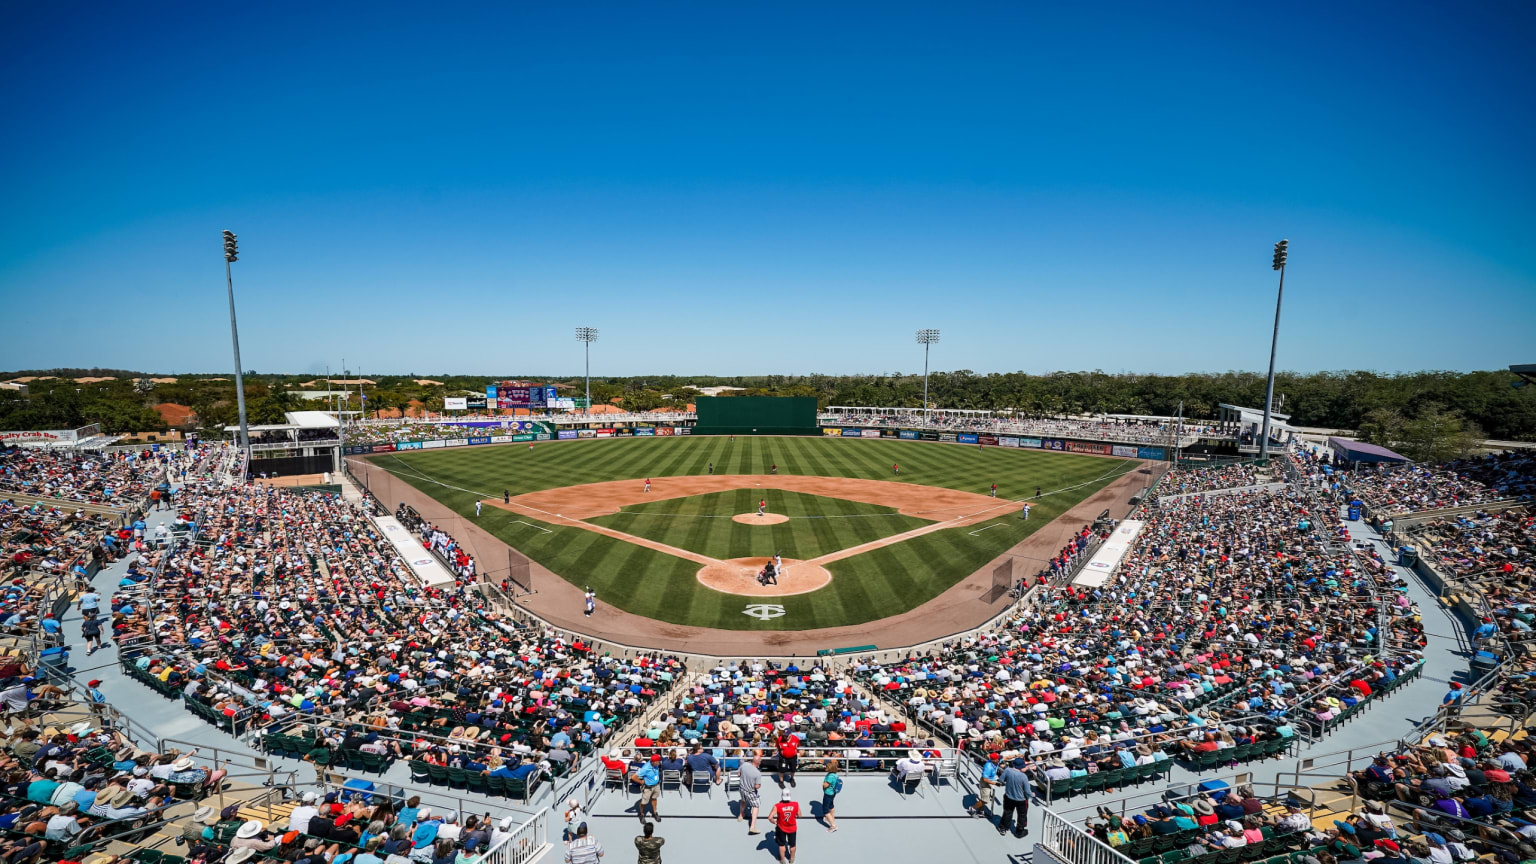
(737, 188)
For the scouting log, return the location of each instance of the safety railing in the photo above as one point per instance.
(525, 843)
(1061, 842)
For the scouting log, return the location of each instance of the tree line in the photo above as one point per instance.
(1381, 406)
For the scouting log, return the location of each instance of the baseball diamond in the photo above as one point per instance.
(888, 544)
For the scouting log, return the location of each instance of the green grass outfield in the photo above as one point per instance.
(867, 587)
(817, 525)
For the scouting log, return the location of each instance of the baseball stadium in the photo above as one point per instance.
(811, 545)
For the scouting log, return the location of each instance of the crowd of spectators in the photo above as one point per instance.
(117, 479)
(1231, 621)
(1398, 489)
(437, 541)
(293, 610)
(66, 787)
(1151, 431)
(1184, 480)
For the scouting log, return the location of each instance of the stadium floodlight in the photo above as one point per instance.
(231, 255)
(1278, 263)
(926, 338)
(588, 335)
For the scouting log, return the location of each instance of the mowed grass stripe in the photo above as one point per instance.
(866, 587)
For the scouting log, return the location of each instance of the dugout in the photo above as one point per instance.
(756, 415)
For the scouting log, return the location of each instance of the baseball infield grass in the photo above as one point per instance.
(873, 585)
(817, 525)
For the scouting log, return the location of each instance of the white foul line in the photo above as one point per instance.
(979, 530)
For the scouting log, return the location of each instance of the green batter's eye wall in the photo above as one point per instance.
(756, 415)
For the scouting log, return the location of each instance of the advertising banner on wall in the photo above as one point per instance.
(455, 403)
(408, 445)
(967, 438)
(550, 395)
(490, 392)
(473, 404)
(869, 433)
(567, 434)
(1051, 444)
(501, 439)
(930, 436)
(1123, 450)
(561, 405)
(431, 445)
(586, 433)
(1150, 453)
(542, 436)
(1007, 441)
(385, 448)
(852, 433)
(485, 440)
(663, 431)
(827, 430)
(456, 442)
(685, 430)
(946, 437)
(645, 432)
(625, 432)
(522, 438)
(1031, 442)
(603, 433)
(909, 435)
(987, 440)
(1093, 447)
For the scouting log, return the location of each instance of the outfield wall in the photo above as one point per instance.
(1059, 445)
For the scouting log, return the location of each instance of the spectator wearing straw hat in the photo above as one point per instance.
(250, 836)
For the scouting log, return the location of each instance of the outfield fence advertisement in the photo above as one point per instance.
(1031, 442)
(1123, 450)
(869, 433)
(645, 432)
(909, 435)
(853, 433)
(567, 434)
(967, 438)
(987, 440)
(1007, 441)
(1150, 453)
(828, 430)
(455, 403)
(663, 430)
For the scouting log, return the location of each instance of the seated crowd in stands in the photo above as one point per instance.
(1106, 429)
(1231, 620)
(292, 607)
(1394, 490)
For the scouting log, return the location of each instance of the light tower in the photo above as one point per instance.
(231, 255)
(588, 335)
(926, 338)
(1278, 264)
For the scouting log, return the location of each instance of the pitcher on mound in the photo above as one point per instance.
(762, 506)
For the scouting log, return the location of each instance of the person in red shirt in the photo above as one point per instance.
(785, 818)
(789, 757)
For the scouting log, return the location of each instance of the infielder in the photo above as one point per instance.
(994, 490)
(647, 484)
(477, 509)
(1025, 514)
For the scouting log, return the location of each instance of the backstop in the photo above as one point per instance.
(756, 415)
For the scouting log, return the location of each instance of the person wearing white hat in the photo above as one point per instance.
(241, 855)
(785, 818)
(248, 836)
(298, 820)
(574, 816)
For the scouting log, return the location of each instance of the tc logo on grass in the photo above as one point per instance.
(764, 611)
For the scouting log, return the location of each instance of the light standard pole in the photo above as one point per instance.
(926, 338)
(231, 255)
(588, 335)
(1281, 249)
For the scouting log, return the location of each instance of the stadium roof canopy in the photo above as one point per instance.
(1359, 451)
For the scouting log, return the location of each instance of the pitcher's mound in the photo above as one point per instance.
(765, 519)
(739, 576)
